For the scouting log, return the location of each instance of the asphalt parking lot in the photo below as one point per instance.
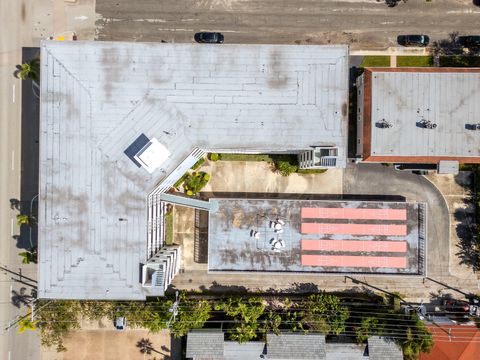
(364, 24)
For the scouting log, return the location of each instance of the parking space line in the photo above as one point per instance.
(11, 226)
(13, 93)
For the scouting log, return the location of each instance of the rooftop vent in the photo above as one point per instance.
(426, 124)
(384, 124)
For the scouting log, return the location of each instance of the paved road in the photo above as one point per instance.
(365, 24)
(24, 23)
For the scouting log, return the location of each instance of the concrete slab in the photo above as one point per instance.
(253, 176)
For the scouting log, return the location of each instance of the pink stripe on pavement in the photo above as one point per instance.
(355, 245)
(354, 229)
(354, 261)
(353, 213)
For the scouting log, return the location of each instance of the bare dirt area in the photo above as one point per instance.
(104, 344)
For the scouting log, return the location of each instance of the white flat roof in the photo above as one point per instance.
(98, 97)
(153, 155)
(448, 98)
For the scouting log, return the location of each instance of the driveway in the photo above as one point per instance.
(380, 180)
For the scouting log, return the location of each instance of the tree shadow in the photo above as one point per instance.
(466, 230)
(145, 346)
(21, 298)
(219, 288)
(447, 46)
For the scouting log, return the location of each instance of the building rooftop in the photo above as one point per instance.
(316, 236)
(411, 100)
(102, 102)
(380, 348)
(296, 346)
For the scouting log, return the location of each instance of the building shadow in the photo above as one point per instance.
(300, 196)
(29, 154)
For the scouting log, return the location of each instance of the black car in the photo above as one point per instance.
(209, 37)
(413, 40)
(472, 41)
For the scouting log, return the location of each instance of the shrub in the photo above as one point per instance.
(325, 313)
(285, 164)
(198, 164)
(195, 182)
(180, 181)
(214, 157)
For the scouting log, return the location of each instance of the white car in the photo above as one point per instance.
(120, 323)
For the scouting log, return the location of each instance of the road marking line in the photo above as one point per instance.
(13, 93)
(13, 160)
(9, 355)
(11, 226)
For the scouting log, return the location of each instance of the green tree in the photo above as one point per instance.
(369, 326)
(272, 323)
(29, 70)
(56, 319)
(29, 256)
(416, 339)
(245, 314)
(27, 324)
(195, 182)
(325, 313)
(192, 314)
(23, 219)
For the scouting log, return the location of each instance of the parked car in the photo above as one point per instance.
(471, 41)
(120, 323)
(456, 306)
(413, 40)
(209, 37)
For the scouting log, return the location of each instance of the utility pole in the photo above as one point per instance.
(173, 310)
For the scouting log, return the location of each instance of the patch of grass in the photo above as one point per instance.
(311, 171)
(460, 61)
(169, 228)
(415, 61)
(375, 61)
(245, 157)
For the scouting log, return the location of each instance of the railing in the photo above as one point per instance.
(422, 239)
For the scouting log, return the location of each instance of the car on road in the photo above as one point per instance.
(413, 40)
(456, 306)
(471, 41)
(120, 323)
(209, 37)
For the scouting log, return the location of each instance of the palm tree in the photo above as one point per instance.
(29, 70)
(23, 219)
(26, 324)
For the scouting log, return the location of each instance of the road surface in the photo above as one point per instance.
(364, 24)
